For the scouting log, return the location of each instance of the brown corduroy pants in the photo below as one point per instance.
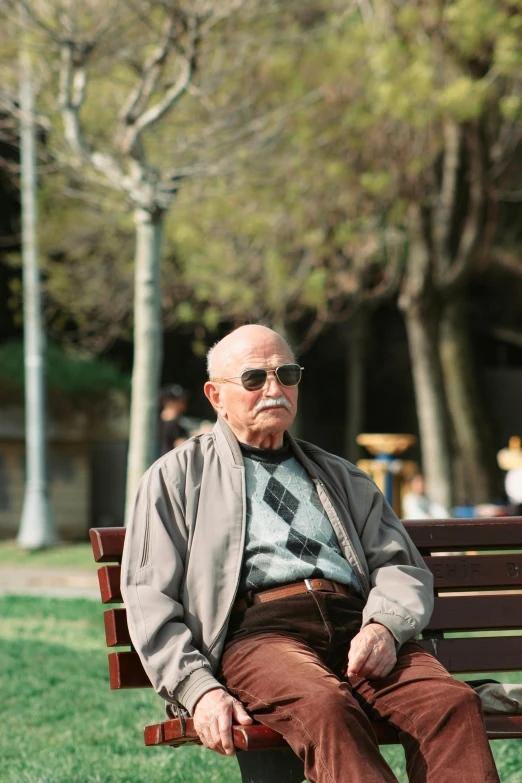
(286, 661)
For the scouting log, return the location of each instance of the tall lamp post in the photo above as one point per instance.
(36, 525)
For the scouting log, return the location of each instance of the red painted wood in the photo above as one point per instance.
(107, 543)
(116, 629)
(258, 737)
(504, 726)
(464, 534)
(476, 613)
(154, 735)
(476, 572)
(477, 654)
(109, 582)
(126, 671)
(255, 737)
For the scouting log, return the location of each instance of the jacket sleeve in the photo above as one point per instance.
(401, 594)
(153, 565)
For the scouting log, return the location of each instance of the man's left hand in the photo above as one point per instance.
(372, 652)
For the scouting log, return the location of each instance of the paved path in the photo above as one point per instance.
(52, 582)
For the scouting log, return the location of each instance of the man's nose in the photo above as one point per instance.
(272, 382)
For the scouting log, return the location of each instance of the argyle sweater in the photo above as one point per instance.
(288, 534)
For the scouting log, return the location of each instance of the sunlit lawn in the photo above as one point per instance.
(65, 555)
(62, 724)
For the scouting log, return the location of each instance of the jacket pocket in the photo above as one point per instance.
(145, 552)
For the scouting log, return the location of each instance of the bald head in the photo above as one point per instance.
(259, 416)
(226, 352)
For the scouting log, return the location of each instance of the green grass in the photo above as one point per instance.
(64, 555)
(64, 725)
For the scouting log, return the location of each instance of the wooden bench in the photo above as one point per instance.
(474, 592)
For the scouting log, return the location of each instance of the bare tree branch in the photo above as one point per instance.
(73, 86)
(146, 85)
(172, 94)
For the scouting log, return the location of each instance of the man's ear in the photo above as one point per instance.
(213, 394)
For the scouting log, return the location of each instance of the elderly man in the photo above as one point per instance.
(265, 578)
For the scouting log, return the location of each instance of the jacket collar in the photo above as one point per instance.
(227, 444)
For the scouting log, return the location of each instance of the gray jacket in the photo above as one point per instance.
(184, 550)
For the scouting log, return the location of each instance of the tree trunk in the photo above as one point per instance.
(287, 332)
(470, 422)
(355, 376)
(147, 349)
(431, 404)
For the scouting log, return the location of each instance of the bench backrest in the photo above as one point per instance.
(477, 588)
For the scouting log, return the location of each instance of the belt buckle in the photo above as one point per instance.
(309, 585)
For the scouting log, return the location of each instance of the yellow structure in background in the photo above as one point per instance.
(512, 456)
(510, 460)
(388, 472)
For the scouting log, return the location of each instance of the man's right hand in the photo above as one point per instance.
(213, 716)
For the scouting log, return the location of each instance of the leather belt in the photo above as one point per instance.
(308, 585)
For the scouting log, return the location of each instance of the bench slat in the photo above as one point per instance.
(109, 582)
(452, 534)
(126, 671)
(429, 535)
(476, 571)
(255, 737)
(477, 653)
(473, 572)
(472, 654)
(504, 726)
(476, 613)
(116, 629)
(107, 543)
(258, 737)
(455, 613)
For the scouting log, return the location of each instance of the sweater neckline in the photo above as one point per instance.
(267, 455)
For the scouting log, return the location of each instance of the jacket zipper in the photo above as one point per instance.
(217, 636)
(146, 538)
(359, 569)
(238, 578)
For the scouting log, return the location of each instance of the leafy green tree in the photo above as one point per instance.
(422, 104)
(140, 98)
(413, 139)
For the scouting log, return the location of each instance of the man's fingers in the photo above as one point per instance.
(215, 735)
(378, 664)
(225, 732)
(240, 714)
(357, 656)
(362, 663)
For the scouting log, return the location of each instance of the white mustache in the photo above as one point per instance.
(272, 403)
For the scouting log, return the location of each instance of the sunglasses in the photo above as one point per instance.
(255, 379)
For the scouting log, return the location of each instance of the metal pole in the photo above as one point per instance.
(36, 525)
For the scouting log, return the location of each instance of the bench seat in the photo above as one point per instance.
(477, 570)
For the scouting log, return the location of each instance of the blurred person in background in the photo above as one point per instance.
(416, 504)
(173, 403)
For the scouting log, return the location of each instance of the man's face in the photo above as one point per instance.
(417, 485)
(174, 407)
(255, 415)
